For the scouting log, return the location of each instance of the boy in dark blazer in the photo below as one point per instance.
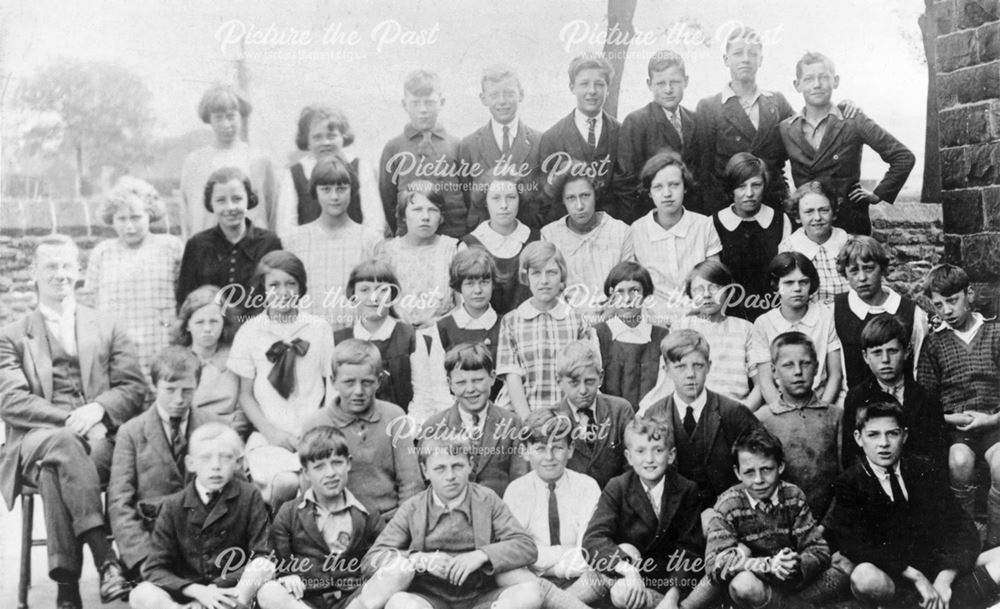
(823, 144)
(705, 424)
(905, 534)
(494, 432)
(504, 146)
(645, 537)
(320, 540)
(598, 421)
(742, 118)
(210, 538)
(148, 462)
(588, 134)
(661, 124)
(445, 547)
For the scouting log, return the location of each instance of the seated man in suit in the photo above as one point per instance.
(824, 144)
(504, 146)
(68, 378)
(904, 532)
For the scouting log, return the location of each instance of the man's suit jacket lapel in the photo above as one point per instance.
(664, 127)
(798, 138)
(308, 520)
(580, 446)
(767, 119)
(221, 507)
(708, 426)
(734, 114)
(157, 438)
(39, 355)
(520, 148)
(640, 502)
(668, 503)
(87, 344)
(488, 441)
(687, 125)
(830, 137)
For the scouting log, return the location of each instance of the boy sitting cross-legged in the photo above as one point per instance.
(321, 539)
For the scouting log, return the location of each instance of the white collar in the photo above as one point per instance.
(383, 333)
(977, 320)
(697, 405)
(51, 315)
(350, 501)
(677, 230)
(862, 309)
(451, 505)
(880, 471)
(887, 389)
(773, 499)
(670, 115)
(809, 248)
(467, 416)
(656, 491)
(203, 493)
(729, 219)
(727, 92)
(494, 241)
(560, 483)
(834, 111)
(623, 333)
(465, 321)
(166, 420)
(602, 220)
(810, 319)
(580, 119)
(498, 130)
(528, 311)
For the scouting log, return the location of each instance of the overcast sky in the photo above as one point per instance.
(181, 46)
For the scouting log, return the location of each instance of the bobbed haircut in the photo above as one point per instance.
(354, 351)
(279, 260)
(649, 427)
(590, 61)
(471, 263)
(333, 117)
(741, 167)
(881, 329)
(174, 363)
(222, 98)
(791, 339)
(224, 176)
(417, 188)
(758, 442)
(628, 271)
(862, 248)
(198, 298)
(676, 345)
(331, 171)
(809, 58)
(880, 406)
(321, 443)
(664, 60)
(786, 262)
(710, 270)
(946, 280)
(468, 356)
(815, 187)
(536, 255)
(660, 161)
(375, 270)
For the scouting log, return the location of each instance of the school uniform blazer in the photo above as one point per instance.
(301, 550)
(624, 514)
(143, 475)
(725, 129)
(932, 532)
(644, 133)
(497, 533)
(192, 544)
(565, 137)
(479, 149)
(109, 369)
(496, 459)
(705, 458)
(603, 459)
(837, 161)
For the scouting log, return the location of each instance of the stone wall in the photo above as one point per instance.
(968, 97)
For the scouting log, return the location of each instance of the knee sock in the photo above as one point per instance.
(832, 585)
(100, 547)
(966, 498)
(993, 517)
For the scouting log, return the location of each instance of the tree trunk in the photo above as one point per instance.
(931, 189)
(620, 33)
(79, 171)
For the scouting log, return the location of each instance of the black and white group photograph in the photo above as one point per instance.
(607, 304)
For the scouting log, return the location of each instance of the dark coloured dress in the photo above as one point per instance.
(397, 387)
(508, 292)
(630, 370)
(746, 252)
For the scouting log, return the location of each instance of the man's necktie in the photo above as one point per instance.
(553, 516)
(591, 427)
(897, 490)
(592, 132)
(213, 496)
(176, 438)
(506, 140)
(425, 148)
(675, 120)
(689, 422)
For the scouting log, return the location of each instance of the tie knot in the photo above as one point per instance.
(592, 122)
(552, 487)
(475, 418)
(506, 129)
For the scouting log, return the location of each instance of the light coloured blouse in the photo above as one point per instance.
(422, 271)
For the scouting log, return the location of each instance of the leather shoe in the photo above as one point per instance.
(113, 583)
(69, 605)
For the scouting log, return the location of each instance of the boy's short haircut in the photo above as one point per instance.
(213, 432)
(710, 270)
(546, 425)
(358, 352)
(577, 356)
(222, 98)
(881, 329)
(408, 194)
(590, 61)
(628, 271)
(741, 167)
(760, 442)
(225, 175)
(422, 83)
(786, 262)
(660, 161)
(497, 73)
(471, 263)
(815, 187)
(811, 57)
(468, 356)
(649, 427)
(174, 363)
(679, 343)
(789, 339)
(451, 444)
(884, 407)
(745, 33)
(536, 255)
(862, 248)
(321, 443)
(664, 60)
(331, 171)
(578, 171)
(946, 280)
(333, 116)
